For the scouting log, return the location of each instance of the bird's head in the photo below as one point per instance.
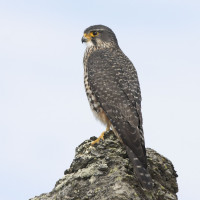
(99, 36)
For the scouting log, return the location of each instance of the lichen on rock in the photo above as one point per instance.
(103, 172)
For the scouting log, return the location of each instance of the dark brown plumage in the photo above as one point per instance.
(113, 91)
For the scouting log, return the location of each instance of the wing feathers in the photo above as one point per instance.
(114, 82)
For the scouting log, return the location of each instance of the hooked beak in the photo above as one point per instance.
(84, 39)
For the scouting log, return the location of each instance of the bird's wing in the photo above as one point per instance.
(117, 89)
(128, 81)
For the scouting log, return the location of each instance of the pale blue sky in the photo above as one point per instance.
(44, 113)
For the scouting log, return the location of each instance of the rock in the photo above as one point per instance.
(103, 172)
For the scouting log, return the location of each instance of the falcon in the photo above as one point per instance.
(113, 92)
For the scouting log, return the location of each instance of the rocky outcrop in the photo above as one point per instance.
(103, 172)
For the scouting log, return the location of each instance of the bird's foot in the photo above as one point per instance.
(101, 137)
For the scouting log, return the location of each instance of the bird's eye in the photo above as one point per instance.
(94, 33)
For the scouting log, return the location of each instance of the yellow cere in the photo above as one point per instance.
(87, 35)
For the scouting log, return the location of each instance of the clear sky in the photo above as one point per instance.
(44, 113)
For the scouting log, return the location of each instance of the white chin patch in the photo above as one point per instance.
(89, 44)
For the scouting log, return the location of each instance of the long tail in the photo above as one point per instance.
(140, 171)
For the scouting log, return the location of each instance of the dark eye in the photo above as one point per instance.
(94, 33)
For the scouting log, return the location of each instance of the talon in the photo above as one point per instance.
(98, 139)
(101, 137)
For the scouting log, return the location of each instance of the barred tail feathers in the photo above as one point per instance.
(140, 171)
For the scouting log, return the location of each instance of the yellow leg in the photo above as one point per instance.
(101, 136)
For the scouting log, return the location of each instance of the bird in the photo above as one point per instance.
(113, 91)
